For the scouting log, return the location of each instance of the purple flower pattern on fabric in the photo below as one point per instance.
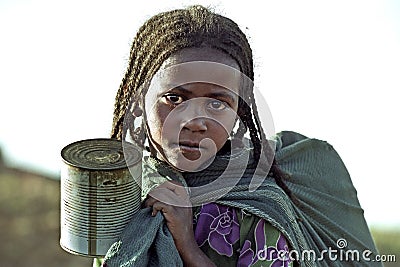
(279, 254)
(247, 256)
(218, 225)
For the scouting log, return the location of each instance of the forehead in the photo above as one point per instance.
(199, 65)
(201, 54)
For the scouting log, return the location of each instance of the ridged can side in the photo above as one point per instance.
(96, 204)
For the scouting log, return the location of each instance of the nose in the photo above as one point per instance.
(194, 118)
(195, 125)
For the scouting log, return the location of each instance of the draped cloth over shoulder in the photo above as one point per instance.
(328, 210)
(330, 213)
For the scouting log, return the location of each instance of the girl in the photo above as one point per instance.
(186, 98)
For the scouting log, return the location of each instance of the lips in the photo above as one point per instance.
(190, 146)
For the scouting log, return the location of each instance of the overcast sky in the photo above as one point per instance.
(327, 69)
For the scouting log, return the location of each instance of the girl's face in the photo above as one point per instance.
(191, 106)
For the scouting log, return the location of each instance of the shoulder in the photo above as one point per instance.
(300, 150)
(289, 139)
(313, 164)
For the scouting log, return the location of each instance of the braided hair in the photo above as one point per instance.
(163, 35)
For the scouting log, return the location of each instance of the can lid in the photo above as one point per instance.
(101, 154)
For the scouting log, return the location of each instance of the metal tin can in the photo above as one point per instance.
(98, 193)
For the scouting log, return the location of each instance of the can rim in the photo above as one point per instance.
(134, 155)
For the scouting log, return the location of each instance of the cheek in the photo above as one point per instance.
(159, 123)
(155, 119)
(226, 123)
(224, 129)
(219, 135)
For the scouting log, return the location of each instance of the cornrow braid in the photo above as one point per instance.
(167, 33)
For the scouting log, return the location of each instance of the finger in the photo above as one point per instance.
(162, 207)
(162, 194)
(175, 187)
(167, 196)
(149, 202)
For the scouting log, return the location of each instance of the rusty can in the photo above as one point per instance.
(99, 194)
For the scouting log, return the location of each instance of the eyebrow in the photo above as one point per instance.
(224, 94)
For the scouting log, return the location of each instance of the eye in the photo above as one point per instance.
(174, 99)
(217, 105)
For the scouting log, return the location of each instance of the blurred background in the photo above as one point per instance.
(328, 70)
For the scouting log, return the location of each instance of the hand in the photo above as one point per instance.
(172, 200)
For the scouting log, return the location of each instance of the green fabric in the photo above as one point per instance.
(145, 242)
(97, 262)
(328, 207)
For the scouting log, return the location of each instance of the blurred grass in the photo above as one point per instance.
(388, 242)
(29, 224)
